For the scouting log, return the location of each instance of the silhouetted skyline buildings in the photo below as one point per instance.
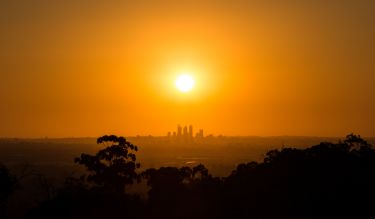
(185, 133)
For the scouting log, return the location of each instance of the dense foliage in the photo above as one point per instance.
(113, 167)
(7, 186)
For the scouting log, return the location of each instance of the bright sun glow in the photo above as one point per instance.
(185, 83)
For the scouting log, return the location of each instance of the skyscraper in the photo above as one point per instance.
(190, 131)
(179, 131)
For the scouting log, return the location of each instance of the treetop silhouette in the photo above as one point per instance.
(113, 167)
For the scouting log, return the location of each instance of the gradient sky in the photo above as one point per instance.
(88, 68)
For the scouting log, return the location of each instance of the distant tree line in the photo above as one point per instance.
(327, 180)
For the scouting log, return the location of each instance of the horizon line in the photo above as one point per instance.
(164, 136)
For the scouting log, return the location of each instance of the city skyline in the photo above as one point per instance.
(185, 132)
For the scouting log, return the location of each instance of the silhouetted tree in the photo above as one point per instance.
(7, 186)
(100, 193)
(113, 167)
(181, 192)
(327, 180)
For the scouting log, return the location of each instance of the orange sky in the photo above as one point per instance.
(88, 68)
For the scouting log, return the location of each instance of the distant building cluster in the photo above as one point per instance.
(185, 133)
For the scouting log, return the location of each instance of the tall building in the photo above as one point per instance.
(179, 131)
(199, 134)
(190, 131)
(185, 131)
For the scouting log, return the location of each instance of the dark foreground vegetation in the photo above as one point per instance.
(326, 180)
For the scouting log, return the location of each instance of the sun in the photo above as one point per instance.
(185, 83)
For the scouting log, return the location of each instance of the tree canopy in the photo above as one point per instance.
(113, 167)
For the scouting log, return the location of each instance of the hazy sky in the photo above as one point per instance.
(88, 68)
